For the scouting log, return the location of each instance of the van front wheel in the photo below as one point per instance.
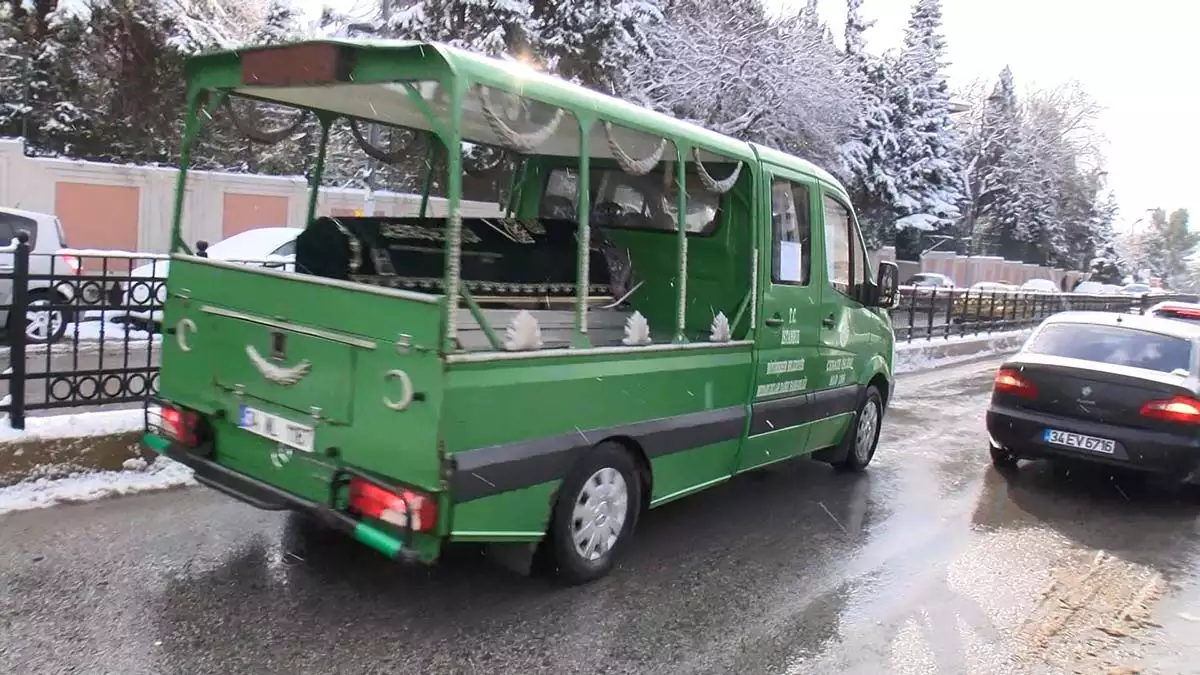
(863, 435)
(594, 515)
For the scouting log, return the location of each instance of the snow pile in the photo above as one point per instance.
(928, 354)
(81, 487)
(80, 425)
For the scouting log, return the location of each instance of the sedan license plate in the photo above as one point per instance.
(276, 428)
(1080, 441)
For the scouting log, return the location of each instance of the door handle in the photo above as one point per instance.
(774, 321)
(828, 321)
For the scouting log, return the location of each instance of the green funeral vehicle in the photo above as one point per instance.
(648, 309)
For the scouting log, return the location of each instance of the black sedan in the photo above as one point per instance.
(1110, 388)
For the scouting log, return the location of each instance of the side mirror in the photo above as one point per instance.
(887, 283)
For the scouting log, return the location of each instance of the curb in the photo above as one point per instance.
(67, 445)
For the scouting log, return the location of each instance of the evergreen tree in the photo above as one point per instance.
(490, 27)
(868, 159)
(593, 42)
(929, 183)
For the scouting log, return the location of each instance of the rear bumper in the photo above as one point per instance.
(1021, 432)
(268, 497)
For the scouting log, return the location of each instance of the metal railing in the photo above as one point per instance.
(82, 325)
(925, 313)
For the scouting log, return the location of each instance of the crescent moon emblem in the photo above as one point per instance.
(182, 329)
(406, 390)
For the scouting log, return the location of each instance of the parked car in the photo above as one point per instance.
(1135, 289)
(1099, 387)
(47, 315)
(984, 301)
(1090, 288)
(1180, 311)
(266, 246)
(1040, 286)
(929, 280)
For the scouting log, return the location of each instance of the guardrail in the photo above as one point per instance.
(930, 312)
(81, 325)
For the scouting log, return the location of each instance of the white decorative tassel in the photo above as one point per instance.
(720, 329)
(637, 330)
(523, 333)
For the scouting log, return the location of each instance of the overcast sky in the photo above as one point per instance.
(1133, 58)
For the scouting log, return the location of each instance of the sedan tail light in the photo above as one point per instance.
(1011, 381)
(1182, 409)
(403, 508)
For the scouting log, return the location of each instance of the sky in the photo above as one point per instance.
(1132, 58)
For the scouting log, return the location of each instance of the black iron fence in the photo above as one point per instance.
(81, 327)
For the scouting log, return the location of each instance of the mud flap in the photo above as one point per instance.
(520, 558)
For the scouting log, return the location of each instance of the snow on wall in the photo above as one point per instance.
(79, 425)
(928, 354)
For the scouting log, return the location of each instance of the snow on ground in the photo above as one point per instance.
(81, 487)
(101, 331)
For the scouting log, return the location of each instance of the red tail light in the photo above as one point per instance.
(404, 508)
(1010, 381)
(182, 426)
(72, 262)
(1176, 409)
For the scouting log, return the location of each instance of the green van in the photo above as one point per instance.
(653, 309)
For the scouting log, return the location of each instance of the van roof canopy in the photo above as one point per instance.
(405, 83)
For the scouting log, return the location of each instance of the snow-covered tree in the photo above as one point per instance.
(490, 27)
(868, 159)
(929, 183)
(593, 42)
(736, 72)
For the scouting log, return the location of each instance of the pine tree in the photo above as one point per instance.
(490, 27)
(998, 171)
(593, 42)
(929, 184)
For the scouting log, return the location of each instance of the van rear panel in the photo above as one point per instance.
(298, 375)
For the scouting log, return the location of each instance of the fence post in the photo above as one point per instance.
(18, 312)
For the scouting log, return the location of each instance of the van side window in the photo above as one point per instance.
(791, 229)
(837, 245)
(862, 264)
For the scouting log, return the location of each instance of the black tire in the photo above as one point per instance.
(855, 455)
(1003, 460)
(42, 296)
(564, 557)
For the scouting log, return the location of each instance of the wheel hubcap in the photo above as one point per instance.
(600, 511)
(868, 423)
(41, 324)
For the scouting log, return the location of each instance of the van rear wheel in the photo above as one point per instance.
(595, 514)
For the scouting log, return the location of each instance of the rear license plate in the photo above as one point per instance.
(276, 428)
(1080, 441)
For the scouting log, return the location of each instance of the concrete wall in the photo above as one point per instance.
(113, 206)
(966, 271)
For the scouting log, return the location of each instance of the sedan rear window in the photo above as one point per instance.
(1115, 345)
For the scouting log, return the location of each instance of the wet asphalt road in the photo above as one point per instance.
(929, 563)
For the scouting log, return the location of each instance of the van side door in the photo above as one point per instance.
(786, 332)
(849, 331)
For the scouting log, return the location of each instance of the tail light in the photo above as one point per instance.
(1010, 381)
(1176, 409)
(73, 263)
(403, 508)
(182, 426)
